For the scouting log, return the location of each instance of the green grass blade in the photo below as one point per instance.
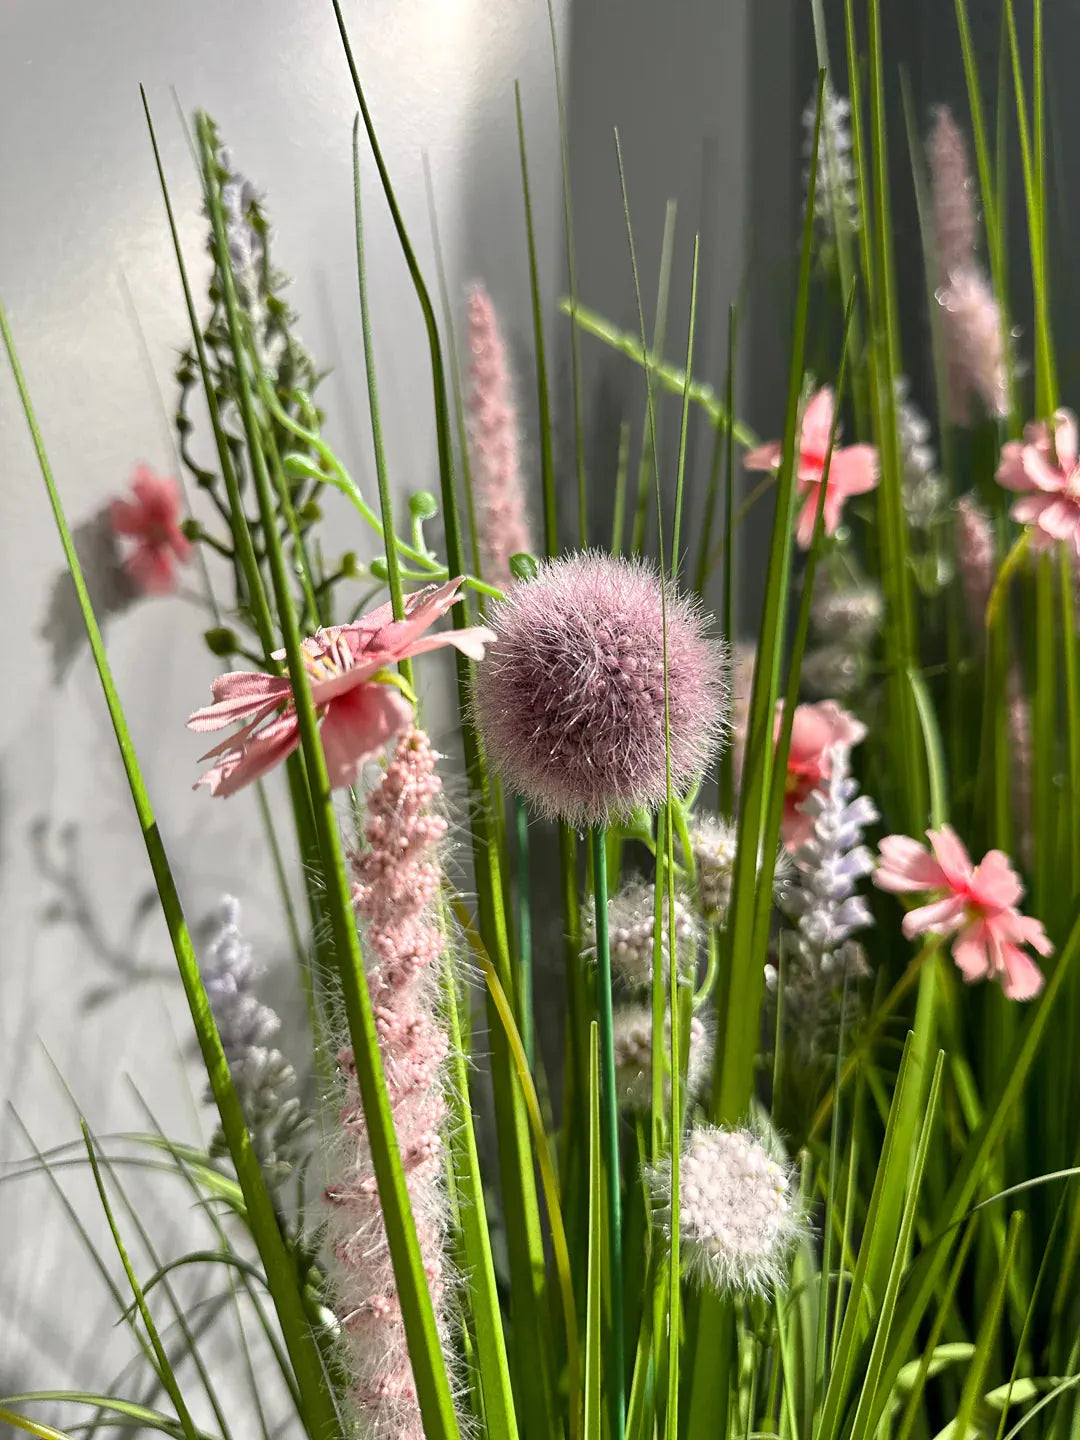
(31, 1427)
(164, 1367)
(501, 1421)
(684, 426)
(650, 455)
(543, 403)
(318, 1411)
(530, 1320)
(140, 1414)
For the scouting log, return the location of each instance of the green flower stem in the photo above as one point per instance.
(524, 937)
(425, 1350)
(609, 1110)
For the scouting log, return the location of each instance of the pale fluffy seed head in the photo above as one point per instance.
(632, 1033)
(954, 195)
(971, 321)
(631, 931)
(851, 614)
(713, 843)
(833, 670)
(740, 1215)
(570, 698)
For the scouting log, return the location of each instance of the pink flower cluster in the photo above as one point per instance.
(494, 445)
(148, 526)
(853, 469)
(976, 905)
(359, 713)
(1044, 469)
(397, 881)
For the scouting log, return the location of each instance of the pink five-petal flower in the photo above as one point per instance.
(815, 729)
(152, 521)
(1044, 469)
(976, 904)
(359, 713)
(853, 470)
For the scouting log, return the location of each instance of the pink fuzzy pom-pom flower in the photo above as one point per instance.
(571, 698)
(976, 905)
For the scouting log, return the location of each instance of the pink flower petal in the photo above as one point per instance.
(1066, 439)
(250, 693)
(257, 758)
(907, 865)
(1010, 473)
(1060, 518)
(1021, 977)
(971, 954)
(817, 422)
(804, 532)
(854, 470)
(358, 726)
(1039, 472)
(151, 569)
(470, 641)
(951, 856)
(995, 884)
(941, 917)
(765, 457)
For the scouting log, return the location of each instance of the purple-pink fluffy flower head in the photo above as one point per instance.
(571, 698)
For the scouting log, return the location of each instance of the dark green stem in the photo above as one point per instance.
(609, 1114)
(525, 975)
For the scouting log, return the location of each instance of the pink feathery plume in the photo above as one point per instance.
(975, 558)
(955, 226)
(494, 444)
(397, 878)
(975, 359)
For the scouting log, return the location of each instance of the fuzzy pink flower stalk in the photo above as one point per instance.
(953, 189)
(1044, 469)
(815, 730)
(494, 445)
(977, 906)
(397, 882)
(359, 712)
(975, 347)
(571, 699)
(853, 469)
(975, 557)
(151, 519)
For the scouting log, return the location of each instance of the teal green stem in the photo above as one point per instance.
(524, 919)
(610, 1121)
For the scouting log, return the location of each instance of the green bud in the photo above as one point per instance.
(524, 566)
(309, 513)
(423, 505)
(349, 567)
(378, 567)
(222, 641)
(191, 529)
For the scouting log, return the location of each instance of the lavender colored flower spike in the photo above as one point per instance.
(571, 701)
(836, 192)
(955, 226)
(280, 1129)
(739, 1212)
(631, 932)
(494, 445)
(398, 878)
(823, 903)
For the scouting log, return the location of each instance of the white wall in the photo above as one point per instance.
(81, 218)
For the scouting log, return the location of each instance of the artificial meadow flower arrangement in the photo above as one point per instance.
(800, 1157)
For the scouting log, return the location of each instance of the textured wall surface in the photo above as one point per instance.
(85, 967)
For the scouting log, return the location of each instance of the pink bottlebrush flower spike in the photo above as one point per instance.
(853, 469)
(977, 906)
(359, 713)
(397, 880)
(815, 730)
(151, 519)
(953, 189)
(1044, 469)
(494, 445)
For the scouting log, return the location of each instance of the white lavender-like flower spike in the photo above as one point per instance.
(631, 930)
(632, 1033)
(924, 491)
(280, 1130)
(822, 901)
(740, 1216)
(836, 192)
